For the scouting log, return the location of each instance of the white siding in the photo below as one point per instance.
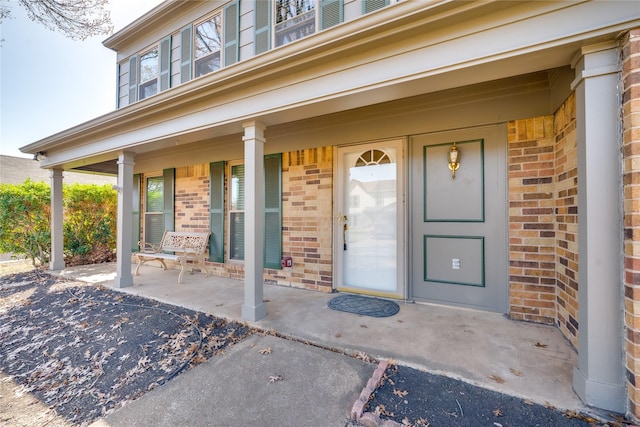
(175, 59)
(352, 9)
(246, 30)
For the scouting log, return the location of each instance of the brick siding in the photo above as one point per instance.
(307, 205)
(631, 188)
(543, 220)
(531, 157)
(566, 202)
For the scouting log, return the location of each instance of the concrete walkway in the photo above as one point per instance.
(485, 349)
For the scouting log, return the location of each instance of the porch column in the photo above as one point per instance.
(57, 228)
(253, 308)
(124, 277)
(599, 377)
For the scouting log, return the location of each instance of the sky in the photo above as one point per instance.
(49, 83)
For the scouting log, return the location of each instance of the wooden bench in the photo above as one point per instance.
(182, 247)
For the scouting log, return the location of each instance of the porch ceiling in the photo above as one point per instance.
(382, 58)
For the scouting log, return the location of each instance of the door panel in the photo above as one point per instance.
(458, 238)
(369, 229)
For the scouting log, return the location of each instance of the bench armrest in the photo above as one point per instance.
(148, 247)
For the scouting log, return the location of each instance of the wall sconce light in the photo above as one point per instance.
(454, 163)
(40, 155)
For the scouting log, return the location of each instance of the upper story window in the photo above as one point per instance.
(295, 19)
(208, 43)
(149, 71)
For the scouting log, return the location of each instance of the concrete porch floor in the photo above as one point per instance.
(527, 360)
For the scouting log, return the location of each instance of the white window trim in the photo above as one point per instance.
(218, 12)
(142, 83)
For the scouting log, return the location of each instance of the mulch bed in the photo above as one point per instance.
(86, 350)
(415, 398)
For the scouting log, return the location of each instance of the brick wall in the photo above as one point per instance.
(543, 220)
(566, 202)
(307, 205)
(307, 217)
(531, 159)
(631, 186)
(192, 198)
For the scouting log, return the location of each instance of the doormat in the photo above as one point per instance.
(366, 306)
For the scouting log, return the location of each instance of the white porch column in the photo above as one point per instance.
(253, 308)
(599, 377)
(57, 228)
(124, 277)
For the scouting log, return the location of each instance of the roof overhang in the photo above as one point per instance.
(409, 49)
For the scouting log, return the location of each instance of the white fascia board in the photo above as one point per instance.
(256, 88)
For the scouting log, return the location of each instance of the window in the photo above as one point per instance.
(202, 44)
(236, 213)
(272, 215)
(149, 71)
(159, 206)
(295, 19)
(207, 44)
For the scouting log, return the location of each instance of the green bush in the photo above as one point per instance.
(89, 222)
(24, 220)
(90, 213)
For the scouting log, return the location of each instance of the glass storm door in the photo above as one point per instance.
(368, 223)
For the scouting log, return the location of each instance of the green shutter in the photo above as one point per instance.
(216, 211)
(168, 176)
(273, 211)
(231, 32)
(262, 25)
(185, 53)
(135, 217)
(371, 5)
(165, 64)
(331, 13)
(133, 79)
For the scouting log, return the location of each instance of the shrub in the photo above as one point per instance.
(24, 220)
(90, 216)
(89, 222)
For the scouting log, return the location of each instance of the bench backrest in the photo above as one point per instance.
(181, 241)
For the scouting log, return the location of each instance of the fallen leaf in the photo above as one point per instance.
(496, 378)
(540, 345)
(401, 393)
(274, 378)
(516, 372)
(266, 350)
(497, 413)
(338, 335)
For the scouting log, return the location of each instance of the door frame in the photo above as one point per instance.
(402, 287)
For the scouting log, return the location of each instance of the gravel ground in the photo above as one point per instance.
(85, 350)
(414, 398)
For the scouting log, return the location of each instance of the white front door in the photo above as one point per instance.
(369, 219)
